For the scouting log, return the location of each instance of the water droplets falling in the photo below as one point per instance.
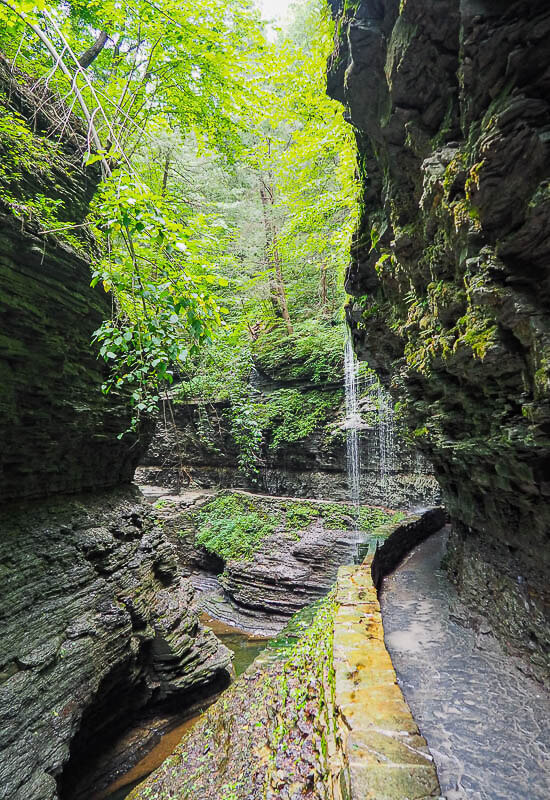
(385, 435)
(382, 457)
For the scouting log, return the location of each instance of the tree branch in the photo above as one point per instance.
(90, 55)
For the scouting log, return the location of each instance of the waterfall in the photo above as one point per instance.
(383, 457)
(351, 424)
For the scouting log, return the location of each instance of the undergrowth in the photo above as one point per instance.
(233, 527)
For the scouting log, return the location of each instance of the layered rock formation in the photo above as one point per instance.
(95, 620)
(58, 432)
(295, 563)
(319, 714)
(193, 445)
(293, 566)
(451, 271)
(95, 625)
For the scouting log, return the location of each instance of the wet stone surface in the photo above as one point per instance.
(487, 724)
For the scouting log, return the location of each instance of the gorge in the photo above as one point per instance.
(204, 471)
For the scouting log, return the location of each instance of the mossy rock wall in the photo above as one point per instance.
(95, 627)
(58, 432)
(451, 271)
(195, 446)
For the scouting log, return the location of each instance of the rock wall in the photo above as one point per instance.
(95, 620)
(95, 625)
(295, 564)
(451, 271)
(193, 445)
(58, 432)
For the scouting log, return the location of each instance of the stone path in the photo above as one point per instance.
(487, 724)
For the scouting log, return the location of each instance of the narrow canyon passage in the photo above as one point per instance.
(486, 723)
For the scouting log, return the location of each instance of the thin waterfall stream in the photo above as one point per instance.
(383, 460)
(385, 435)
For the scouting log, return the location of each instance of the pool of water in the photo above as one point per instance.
(487, 724)
(246, 649)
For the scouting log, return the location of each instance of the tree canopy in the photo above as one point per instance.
(228, 194)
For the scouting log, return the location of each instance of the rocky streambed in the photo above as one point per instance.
(285, 728)
(255, 559)
(121, 768)
(131, 636)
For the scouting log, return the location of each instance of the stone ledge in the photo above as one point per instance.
(402, 539)
(387, 758)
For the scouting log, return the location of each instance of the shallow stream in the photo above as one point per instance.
(487, 724)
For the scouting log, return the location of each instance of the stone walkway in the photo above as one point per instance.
(487, 724)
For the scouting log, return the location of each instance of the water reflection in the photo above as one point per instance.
(245, 649)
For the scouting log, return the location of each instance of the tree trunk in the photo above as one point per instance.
(276, 282)
(324, 293)
(165, 174)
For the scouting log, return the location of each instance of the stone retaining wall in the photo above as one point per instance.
(387, 758)
(401, 539)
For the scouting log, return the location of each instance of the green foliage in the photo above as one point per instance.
(313, 353)
(26, 163)
(246, 429)
(339, 516)
(281, 416)
(172, 66)
(189, 108)
(300, 515)
(166, 308)
(308, 149)
(370, 518)
(290, 415)
(307, 670)
(233, 527)
(22, 151)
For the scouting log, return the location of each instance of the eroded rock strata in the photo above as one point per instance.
(95, 620)
(193, 445)
(319, 714)
(95, 626)
(296, 564)
(58, 432)
(451, 272)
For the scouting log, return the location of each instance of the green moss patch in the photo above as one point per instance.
(234, 525)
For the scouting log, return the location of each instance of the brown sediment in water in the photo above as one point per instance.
(222, 628)
(245, 648)
(152, 760)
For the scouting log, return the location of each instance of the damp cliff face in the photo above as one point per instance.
(193, 444)
(96, 626)
(58, 432)
(451, 271)
(95, 620)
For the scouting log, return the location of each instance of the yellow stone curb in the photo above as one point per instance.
(387, 758)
